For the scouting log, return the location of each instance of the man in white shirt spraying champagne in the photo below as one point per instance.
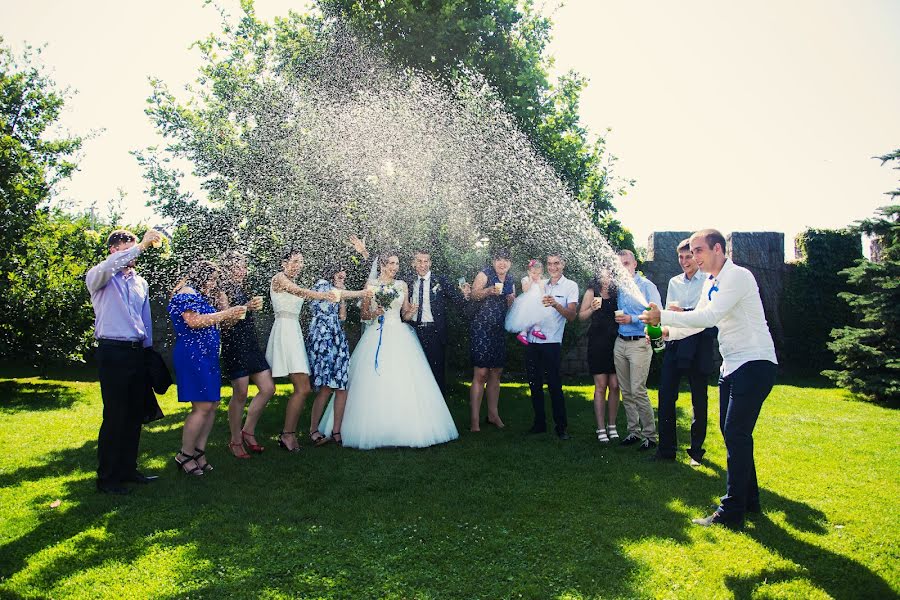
(730, 301)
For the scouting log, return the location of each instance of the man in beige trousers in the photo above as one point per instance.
(632, 355)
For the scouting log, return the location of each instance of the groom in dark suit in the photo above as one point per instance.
(430, 294)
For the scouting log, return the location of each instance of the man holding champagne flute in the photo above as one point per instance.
(545, 352)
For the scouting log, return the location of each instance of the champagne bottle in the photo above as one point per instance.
(655, 333)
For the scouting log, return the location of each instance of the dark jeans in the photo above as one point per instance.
(670, 379)
(435, 352)
(123, 386)
(542, 365)
(741, 396)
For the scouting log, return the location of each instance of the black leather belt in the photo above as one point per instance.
(631, 338)
(121, 343)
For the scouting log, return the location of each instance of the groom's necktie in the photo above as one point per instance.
(421, 300)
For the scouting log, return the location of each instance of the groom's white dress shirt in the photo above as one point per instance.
(427, 316)
(730, 302)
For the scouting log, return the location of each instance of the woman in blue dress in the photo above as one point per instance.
(328, 350)
(196, 356)
(494, 291)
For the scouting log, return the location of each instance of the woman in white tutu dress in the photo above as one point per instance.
(392, 397)
(528, 310)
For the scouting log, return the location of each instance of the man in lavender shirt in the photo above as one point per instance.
(123, 329)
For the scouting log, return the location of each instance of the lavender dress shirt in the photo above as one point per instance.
(121, 300)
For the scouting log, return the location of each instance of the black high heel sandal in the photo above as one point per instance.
(284, 446)
(200, 453)
(317, 438)
(180, 465)
(338, 440)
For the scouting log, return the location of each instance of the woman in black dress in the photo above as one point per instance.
(494, 291)
(244, 361)
(599, 305)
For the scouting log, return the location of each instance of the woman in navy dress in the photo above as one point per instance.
(328, 351)
(494, 291)
(244, 361)
(196, 356)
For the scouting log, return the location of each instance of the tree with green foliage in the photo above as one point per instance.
(868, 355)
(505, 41)
(32, 162)
(816, 282)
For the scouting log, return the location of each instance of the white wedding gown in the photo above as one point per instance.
(397, 404)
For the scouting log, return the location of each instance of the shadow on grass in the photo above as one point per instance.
(35, 396)
(86, 372)
(495, 514)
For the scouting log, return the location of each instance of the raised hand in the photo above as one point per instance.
(151, 238)
(359, 245)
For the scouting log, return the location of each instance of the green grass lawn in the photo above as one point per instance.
(492, 515)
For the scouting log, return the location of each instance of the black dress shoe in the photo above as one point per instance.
(629, 440)
(112, 488)
(647, 444)
(660, 458)
(536, 429)
(563, 435)
(139, 477)
(718, 518)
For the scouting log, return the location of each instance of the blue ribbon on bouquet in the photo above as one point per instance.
(380, 332)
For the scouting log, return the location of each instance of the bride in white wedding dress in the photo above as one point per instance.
(397, 403)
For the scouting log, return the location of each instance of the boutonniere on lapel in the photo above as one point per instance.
(436, 288)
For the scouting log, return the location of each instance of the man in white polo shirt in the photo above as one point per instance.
(730, 300)
(544, 355)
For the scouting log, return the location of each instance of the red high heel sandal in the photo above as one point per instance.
(251, 446)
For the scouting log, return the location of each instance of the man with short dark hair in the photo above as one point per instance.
(632, 355)
(123, 330)
(430, 293)
(544, 354)
(690, 357)
(730, 300)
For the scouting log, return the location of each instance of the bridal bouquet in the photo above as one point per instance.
(385, 294)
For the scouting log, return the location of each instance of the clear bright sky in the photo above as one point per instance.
(757, 116)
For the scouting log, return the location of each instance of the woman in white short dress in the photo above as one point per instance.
(286, 350)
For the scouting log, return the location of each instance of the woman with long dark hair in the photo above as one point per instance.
(244, 361)
(196, 321)
(286, 351)
(599, 305)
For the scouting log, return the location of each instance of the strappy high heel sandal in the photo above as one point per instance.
(613, 434)
(336, 436)
(318, 438)
(198, 454)
(197, 470)
(237, 450)
(602, 437)
(284, 446)
(252, 446)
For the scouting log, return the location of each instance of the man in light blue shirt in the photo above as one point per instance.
(123, 330)
(632, 355)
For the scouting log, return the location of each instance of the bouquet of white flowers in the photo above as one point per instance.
(384, 296)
